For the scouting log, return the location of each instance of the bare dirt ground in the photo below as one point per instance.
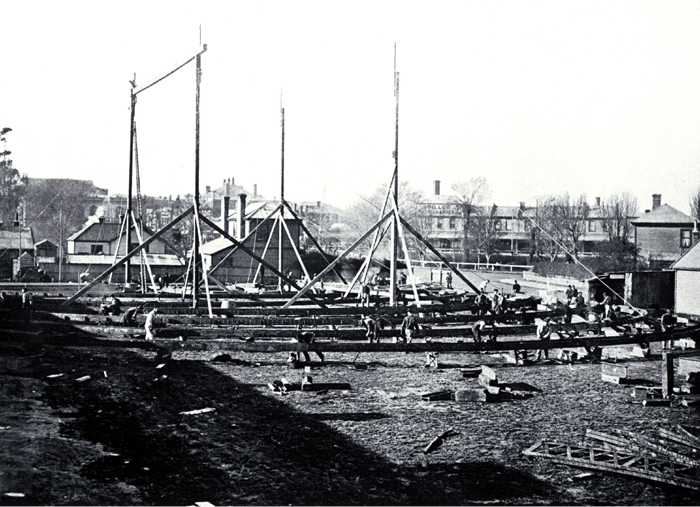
(121, 439)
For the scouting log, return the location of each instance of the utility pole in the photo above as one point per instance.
(127, 216)
(195, 223)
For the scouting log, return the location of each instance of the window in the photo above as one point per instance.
(439, 223)
(445, 243)
(136, 245)
(497, 225)
(509, 225)
(453, 223)
(96, 250)
(591, 226)
(685, 238)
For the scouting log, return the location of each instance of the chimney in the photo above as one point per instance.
(224, 212)
(318, 204)
(437, 187)
(255, 189)
(240, 225)
(208, 189)
(597, 202)
(656, 200)
(227, 188)
(696, 233)
(232, 182)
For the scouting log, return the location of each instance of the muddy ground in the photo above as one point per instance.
(120, 438)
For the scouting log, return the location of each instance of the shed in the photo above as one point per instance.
(687, 277)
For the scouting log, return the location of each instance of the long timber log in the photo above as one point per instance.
(314, 321)
(291, 345)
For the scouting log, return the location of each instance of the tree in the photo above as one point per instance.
(485, 231)
(571, 217)
(470, 194)
(364, 213)
(695, 204)
(12, 184)
(57, 208)
(617, 213)
(546, 234)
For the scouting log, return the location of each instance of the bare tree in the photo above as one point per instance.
(617, 213)
(546, 231)
(12, 183)
(485, 231)
(469, 195)
(570, 218)
(695, 204)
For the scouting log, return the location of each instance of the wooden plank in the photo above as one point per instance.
(488, 372)
(470, 395)
(666, 373)
(309, 386)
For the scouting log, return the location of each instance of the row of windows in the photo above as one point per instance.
(507, 225)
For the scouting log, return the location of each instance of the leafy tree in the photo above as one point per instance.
(470, 194)
(12, 183)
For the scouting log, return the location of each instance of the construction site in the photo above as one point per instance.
(333, 386)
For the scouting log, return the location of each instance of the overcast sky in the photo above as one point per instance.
(536, 96)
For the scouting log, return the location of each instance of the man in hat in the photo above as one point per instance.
(409, 326)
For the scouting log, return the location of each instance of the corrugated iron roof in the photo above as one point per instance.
(10, 238)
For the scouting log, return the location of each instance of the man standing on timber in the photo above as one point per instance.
(26, 304)
(544, 332)
(150, 318)
(408, 327)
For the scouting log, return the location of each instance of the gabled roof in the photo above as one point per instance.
(44, 242)
(95, 230)
(664, 215)
(689, 260)
(10, 238)
(216, 245)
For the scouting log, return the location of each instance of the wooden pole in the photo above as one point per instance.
(336, 261)
(136, 250)
(280, 248)
(127, 215)
(395, 225)
(196, 253)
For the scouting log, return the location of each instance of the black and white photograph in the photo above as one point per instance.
(340, 253)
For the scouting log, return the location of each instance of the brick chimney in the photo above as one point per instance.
(255, 189)
(224, 212)
(656, 201)
(240, 224)
(597, 202)
(437, 187)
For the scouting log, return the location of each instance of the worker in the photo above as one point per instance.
(26, 304)
(308, 338)
(365, 291)
(478, 327)
(113, 307)
(129, 316)
(544, 333)
(482, 303)
(668, 322)
(150, 318)
(409, 326)
(371, 326)
(497, 305)
(448, 279)
(607, 306)
(482, 285)
(516, 287)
